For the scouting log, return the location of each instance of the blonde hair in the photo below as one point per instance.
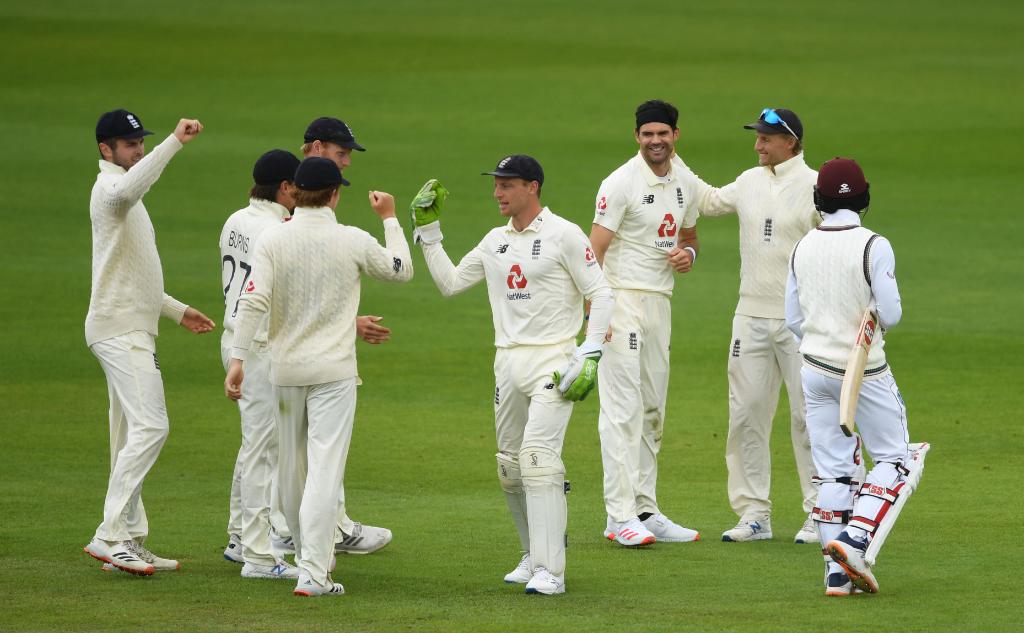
(310, 199)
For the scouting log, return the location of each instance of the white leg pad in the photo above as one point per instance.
(889, 513)
(544, 481)
(515, 496)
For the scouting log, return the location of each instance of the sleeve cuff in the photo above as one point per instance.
(173, 309)
(239, 353)
(392, 223)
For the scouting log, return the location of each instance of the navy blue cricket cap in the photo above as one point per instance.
(119, 123)
(778, 116)
(274, 167)
(315, 174)
(331, 130)
(518, 166)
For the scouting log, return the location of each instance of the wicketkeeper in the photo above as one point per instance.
(538, 269)
(836, 271)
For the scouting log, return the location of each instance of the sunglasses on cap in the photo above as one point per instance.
(771, 117)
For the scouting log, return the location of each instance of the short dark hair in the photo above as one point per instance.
(109, 142)
(318, 198)
(265, 192)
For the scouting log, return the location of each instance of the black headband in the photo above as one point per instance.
(656, 112)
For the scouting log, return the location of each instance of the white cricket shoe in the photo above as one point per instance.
(364, 539)
(667, 531)
(281, 570)
(159, 564)
(630, 533)
(309, 588)
(808, 532)
(234, 551)
(837, 584)
(850, 555)
(281, 544)
(119, 555)
(522, 573)
(758, 530)
(546, 583)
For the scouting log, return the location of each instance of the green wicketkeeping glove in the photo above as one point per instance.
(579, 378)
(426, 206)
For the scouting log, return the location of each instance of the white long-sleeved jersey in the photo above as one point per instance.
(127, 281)
(775, 209)
(238, 240)
(836, 271)
(306, 273)
(536, 279)
(645, 211)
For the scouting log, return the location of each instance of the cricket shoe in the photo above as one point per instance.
(159, 564)
(281, 544)
(522, 573)
(309, 588)
(749, 531)
(837, 584)
(119, 555)
(234, 552)
(630, 533)
(850, 555)
(279, 571)
(667, 531)
(808, 532)
(364, 539)
(546, 583)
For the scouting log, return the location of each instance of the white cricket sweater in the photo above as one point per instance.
(127, 282)
(775, 210)
(306, 273)
(645, 211)
(238, 240)
(838, 270)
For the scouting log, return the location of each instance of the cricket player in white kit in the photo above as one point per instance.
(127, 300)
(644, 229)
(538, 269)
(836, 272)
(775, 208)
(307, 276)
(331, 138)
(252, 489)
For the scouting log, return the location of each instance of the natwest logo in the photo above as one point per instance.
(668, 226)
(516, 279)
(602, 204)
(589, 255)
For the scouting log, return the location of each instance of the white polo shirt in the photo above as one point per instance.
(536, 279)
(237, 250)
(646, 212)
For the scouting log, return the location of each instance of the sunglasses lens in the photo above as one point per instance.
(770, 116)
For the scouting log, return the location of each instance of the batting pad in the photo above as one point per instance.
(515, 496)
(915, 469)
(544, 480)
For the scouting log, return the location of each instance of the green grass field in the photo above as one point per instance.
(926, 95)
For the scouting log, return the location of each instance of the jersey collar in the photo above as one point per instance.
(534, 226)
(787, 168)
(314, 213)
(267, 207)
(841, 218)
(108, 167)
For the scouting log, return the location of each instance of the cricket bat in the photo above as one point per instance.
(854, 375)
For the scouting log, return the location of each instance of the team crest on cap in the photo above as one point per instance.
(844, 188)
(504, 161)
(135, 122)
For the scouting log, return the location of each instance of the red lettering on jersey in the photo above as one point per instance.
(516, 279)
(668, 226)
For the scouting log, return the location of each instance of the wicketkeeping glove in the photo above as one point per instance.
(425, 211)
(579, 377)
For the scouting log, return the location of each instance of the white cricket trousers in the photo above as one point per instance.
(633, 385)
(882, 424)
(763, 354)
(314, 434)
(530, 421)
(252, 484)
(138, 429)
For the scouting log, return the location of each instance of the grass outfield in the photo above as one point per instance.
(924, 94)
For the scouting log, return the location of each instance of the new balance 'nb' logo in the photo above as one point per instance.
(647, 199)
(501, 249)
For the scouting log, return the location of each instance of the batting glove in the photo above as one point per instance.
(425, 211)
(579, 377)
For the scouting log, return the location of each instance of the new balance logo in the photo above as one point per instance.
(396, 264)
(668, 226)
(516, 279)
(501, 249)
(647, 199)
(550, 385)
(768, 230)
(156, 362)
(497, 395)
(736, 348)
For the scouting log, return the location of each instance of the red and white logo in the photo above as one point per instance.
(589, 255)
(516, 279)
(878, 491)
(668, 226)
(251, 287)
(602, 204)
(826, 515)
(869, 332)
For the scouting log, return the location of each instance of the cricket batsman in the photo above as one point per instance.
(538, 269)
(837, 271)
